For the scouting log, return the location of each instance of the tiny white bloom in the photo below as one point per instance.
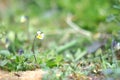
(23, 19)
(40, 35)
(117, 46)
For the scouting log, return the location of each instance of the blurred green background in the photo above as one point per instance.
(87, 14)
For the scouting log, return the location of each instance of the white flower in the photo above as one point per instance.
(40, 35)
(23, 19)
(117, 47)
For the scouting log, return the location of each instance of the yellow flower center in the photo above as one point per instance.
(39, 36)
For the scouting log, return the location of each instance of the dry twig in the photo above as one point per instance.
(76, 27)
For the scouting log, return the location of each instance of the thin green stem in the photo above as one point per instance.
(33, 49)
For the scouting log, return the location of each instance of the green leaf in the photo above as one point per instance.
(4, 53)
(51, 63)
(79, 54)
(3, 63)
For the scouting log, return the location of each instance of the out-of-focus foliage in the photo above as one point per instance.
(88, 14)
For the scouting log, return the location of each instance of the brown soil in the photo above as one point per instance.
(26, 75)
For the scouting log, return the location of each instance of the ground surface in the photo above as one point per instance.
(26, 75)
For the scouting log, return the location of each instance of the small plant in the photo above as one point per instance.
(39, 35)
